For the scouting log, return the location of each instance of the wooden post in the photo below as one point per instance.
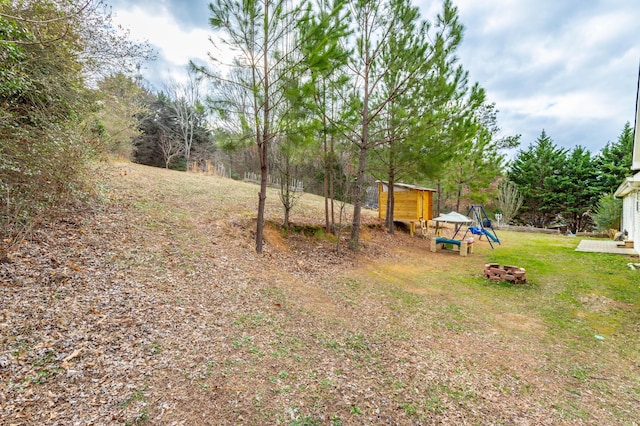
(463, 248)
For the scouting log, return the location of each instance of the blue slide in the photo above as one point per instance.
(475, 230)
(490, 235)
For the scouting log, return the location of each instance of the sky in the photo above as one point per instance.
(569, 67)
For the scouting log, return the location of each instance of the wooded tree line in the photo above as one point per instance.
(335, 93)
(572, 187)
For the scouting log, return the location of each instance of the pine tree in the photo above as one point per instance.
(266, 34)
(577, 184)
(536, 172)
(385, 81)
(614, 161)
(420, 127)
(479, 160)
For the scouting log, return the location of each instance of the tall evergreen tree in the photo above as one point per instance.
(536, 172)
(479, 160)
(377, 25)
(577, 184)
(305, 112)
(255, 29)
(614, 161)
(327, 81)
(420, 127)
(265, 35)
(159, 116)
(371, 31)
(406, 50)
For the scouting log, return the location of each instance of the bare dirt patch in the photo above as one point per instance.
(521, 322)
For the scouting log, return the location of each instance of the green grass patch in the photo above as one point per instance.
(576, 293)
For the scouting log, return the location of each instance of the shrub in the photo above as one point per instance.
(608, 213)
(39, 170)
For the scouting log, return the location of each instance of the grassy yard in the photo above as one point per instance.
(182, 322)
(570, 333)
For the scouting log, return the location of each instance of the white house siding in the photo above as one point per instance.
(630, 216)
(629, 191)
(634, 212)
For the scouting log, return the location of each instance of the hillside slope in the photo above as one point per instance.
(153, 307)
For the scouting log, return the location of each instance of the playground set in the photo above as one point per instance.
(414, 205)
(478, 223)
(481, 225)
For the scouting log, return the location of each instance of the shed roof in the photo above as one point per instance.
(408, 186)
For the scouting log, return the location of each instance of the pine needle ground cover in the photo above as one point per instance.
(151, 307)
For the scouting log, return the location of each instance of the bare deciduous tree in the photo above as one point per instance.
(188, 109)
(170, 147)
(509, 200)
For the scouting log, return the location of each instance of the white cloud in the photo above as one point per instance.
(176, 45)
(566, 106)
(569, 66)
(601, 29)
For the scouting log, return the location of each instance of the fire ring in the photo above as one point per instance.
(513, 274)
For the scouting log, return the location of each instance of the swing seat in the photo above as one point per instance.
(475, 230)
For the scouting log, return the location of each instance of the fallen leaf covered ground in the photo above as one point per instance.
(150, 306)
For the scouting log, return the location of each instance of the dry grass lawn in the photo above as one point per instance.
(152, 307)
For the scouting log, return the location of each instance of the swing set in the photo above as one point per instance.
(481, 225)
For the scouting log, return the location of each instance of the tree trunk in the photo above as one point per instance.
(286, 217)
(264, 148)
(286, 183)
(332, 194)
(354, 242)
(325, 181)
(391, 198)
(362, 160)
(391, 202)
(262, 195)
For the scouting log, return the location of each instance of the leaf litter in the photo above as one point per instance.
(152, 307)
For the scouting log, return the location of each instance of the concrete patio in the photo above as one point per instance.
(605, 246)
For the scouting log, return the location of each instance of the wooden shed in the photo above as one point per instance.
(411, 203)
